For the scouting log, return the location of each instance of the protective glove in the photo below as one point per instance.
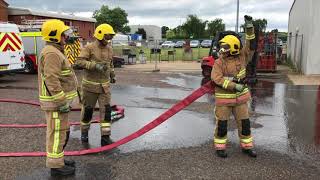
(239, 87)
(248, 21)
(113, 80)
(65, 108)
(101, 67)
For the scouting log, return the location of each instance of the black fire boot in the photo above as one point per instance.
(250, 152)
(70, 163)
(64, 171)
(84, 136)
(222, 153)
(106, 140)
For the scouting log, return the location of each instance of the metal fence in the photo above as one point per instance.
(148, 51)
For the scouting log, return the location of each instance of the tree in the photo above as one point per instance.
(164, 30)
(261, 23)
(117, 18)
(215, 26)
(142, 32)
(194, 27)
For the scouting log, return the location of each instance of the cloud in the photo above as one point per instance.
(173, 12)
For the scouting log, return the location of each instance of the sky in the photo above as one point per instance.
(172, 13)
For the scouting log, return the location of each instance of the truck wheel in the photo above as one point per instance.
(29, 68)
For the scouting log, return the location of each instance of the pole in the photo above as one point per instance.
(237, 23)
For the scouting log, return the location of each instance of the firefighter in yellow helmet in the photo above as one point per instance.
(231, 93)
(96, 60)
(57, 88)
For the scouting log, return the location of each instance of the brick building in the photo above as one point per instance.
(3, 11)
(23, 17)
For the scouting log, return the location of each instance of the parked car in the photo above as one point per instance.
(179, 44)
(206, 43)
(168, 44)
(194, 43)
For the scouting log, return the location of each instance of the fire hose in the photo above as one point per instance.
(207, 88)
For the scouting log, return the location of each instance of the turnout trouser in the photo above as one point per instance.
(241, 114)
(89, 101)
(56, 139)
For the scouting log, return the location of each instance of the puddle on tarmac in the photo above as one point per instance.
(290, 120)
(186, 81)
(182, 130)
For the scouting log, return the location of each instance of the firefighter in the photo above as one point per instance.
(96, 60)
(57, 88)
(231, 93)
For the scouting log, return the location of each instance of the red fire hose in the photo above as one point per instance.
(162, 118)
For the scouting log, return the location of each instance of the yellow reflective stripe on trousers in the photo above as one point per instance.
(105, 124)
(94, 83)
(225, 84)
(56, 139)
(247, 141)
(56, 156)
(59, 95)
(220, 141)
(90, 82)
(52, 98)
(231, 96)
(71, 95)
(250, 37)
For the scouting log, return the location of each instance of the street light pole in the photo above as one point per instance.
(237, 24)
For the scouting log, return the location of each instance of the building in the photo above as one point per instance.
(151, 31)
(3, 11)
(34, 19)
(304, 36)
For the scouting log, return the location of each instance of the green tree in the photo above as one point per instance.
(194, 26)
(117, 18)
(164, 30)
(142, 32)
(215, 26)
(170, 34)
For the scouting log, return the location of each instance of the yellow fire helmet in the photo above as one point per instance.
(102, 30)
(233, 42)
(52, 30)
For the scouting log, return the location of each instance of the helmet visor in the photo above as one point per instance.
(70, 37)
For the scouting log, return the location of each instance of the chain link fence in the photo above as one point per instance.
(157, 50)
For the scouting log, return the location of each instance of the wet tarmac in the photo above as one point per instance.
(285, 121)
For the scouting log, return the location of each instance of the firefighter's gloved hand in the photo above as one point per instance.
(65, 108)
(101, 67)
(248, 21)
(239, 87)
(113, 80)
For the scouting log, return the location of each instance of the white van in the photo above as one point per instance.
(11, 49)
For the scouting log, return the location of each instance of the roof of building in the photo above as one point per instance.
(26, 11)
(5, 2)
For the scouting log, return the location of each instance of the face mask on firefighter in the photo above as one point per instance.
(70, 37)
(106, 39)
